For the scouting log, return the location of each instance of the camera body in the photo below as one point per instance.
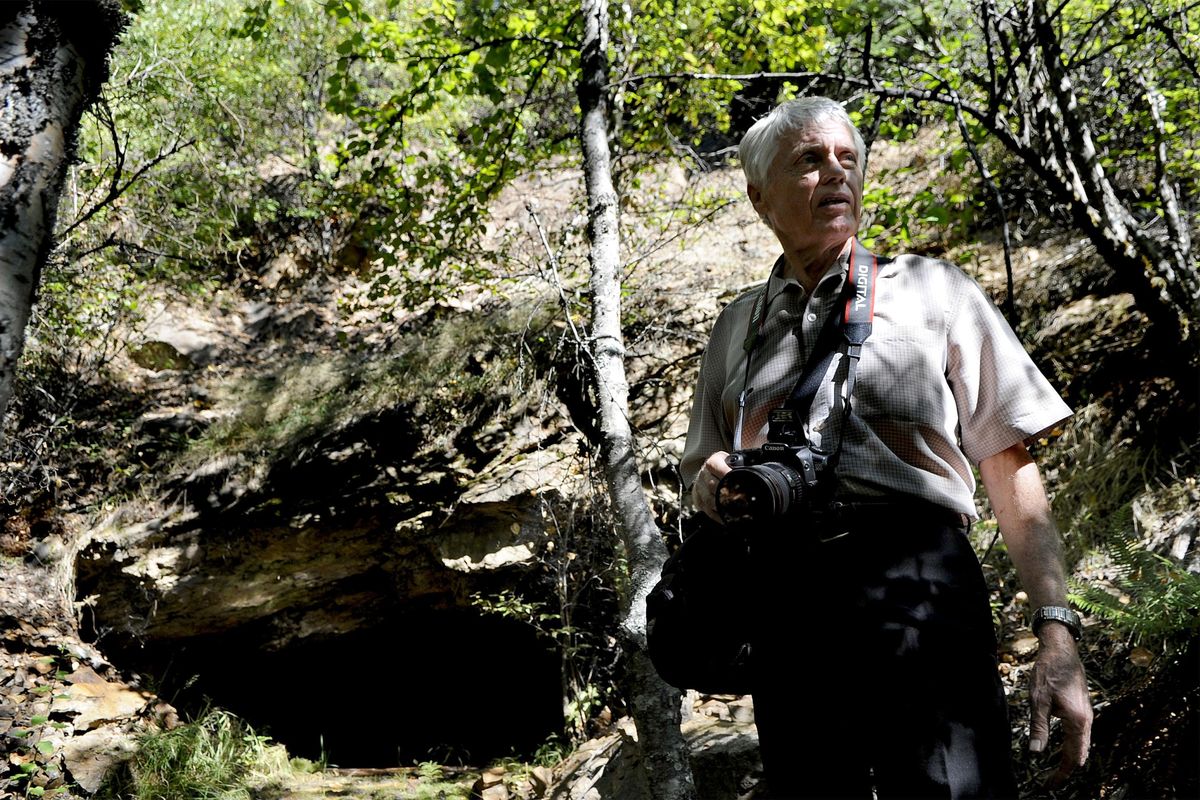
(778, 480)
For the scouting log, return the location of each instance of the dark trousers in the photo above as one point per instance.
(876, 665)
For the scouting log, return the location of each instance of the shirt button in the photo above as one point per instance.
(812, 317)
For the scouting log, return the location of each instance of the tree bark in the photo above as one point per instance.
(52, 60)
(656, 706)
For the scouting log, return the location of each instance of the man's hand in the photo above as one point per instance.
(1058, 688)
(704, 490)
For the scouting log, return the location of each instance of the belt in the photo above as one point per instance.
(844, 517)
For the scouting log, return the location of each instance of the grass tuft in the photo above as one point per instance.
(216, 757)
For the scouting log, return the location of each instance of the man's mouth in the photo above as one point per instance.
(834, 200)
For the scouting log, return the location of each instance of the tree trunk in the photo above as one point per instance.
(52, 59)
(1166, 289)
(1034, 109)
(656, 706)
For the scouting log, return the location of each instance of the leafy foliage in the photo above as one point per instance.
(1153, 596)
(33, 754)
(199, 157)
(203, 140)
(476, 95)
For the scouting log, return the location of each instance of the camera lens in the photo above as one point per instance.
(761, 492)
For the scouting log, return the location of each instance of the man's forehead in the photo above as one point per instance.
(816, 134)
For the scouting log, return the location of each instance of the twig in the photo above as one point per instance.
(555, 280)
(1010, 307)
(116, 187)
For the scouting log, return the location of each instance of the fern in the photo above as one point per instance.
(1152, 596)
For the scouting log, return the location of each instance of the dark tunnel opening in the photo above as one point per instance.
(448, 686)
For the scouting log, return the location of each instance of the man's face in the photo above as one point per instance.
(813, 198)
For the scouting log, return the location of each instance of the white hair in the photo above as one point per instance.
(760, 144)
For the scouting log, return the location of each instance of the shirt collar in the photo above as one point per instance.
(831, 281)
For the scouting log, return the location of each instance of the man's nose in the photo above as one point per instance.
(832, 169)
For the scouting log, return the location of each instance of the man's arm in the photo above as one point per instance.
(1058, 685)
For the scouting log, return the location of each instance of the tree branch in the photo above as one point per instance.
(115, 186)
(1010, 306)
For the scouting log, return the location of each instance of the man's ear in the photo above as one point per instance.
(756, 198)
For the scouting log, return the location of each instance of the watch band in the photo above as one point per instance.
(1058, 614)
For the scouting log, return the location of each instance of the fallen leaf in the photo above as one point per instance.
(1141, 657)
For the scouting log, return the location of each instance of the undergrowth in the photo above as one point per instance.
(215, 757)
(1151, 597)
(1095, 477)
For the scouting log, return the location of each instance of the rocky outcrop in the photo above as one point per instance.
(722, 742)
(301, 516)
(319, 544)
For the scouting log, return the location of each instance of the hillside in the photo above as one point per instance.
(285, 488)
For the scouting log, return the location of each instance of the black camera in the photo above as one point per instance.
(774, 481)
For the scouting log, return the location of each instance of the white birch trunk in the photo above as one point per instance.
(42, 92)
(656, 706)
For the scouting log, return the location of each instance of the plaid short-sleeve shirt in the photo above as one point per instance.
(943, 382)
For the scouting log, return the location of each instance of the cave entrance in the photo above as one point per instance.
(449, 686)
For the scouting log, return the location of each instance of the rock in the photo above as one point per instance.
(166, 421)
(178, 336)
(724, 760)
(490, 785)
(714, 708)
(283, 267)
(158, 355)
(540, 778)
(742, 710)
(1023, 644)
(502, 557)
(94, 700)
(267, 320)
(724, 757)
(1141, 657)
(89, 757)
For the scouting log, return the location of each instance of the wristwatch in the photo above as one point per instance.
(1058, 614)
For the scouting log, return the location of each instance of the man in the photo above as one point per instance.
(875, 658)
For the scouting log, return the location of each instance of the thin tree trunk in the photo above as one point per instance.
(656, 706)
(45, 83)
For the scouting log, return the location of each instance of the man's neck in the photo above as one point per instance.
(808, 269)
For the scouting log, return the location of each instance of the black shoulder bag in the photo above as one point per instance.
(699, 613)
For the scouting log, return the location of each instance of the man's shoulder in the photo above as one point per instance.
(923, 273)
(742, 305)
(747, 297)
(923, 263)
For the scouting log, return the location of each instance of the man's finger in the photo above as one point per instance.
(1039, 716)
(1077, 727)
(1075, 748)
